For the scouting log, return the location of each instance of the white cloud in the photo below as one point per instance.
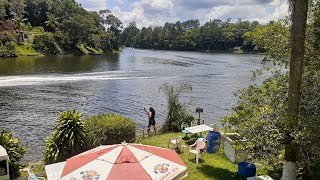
(93, 5)
(148, 13)
(157, 12)
(120, 2)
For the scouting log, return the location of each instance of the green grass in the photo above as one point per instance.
(212, 166)
(25, 49)
(88, 50)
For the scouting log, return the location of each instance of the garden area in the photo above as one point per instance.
(211, 166)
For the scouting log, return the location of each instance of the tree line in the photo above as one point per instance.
(214, 35)
(65, 27)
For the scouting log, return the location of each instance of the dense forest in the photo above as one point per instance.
(30, 27)
(215, 35)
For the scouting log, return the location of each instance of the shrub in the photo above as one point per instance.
(8, 50)
(14, 150)
(109, 129)
(46, 44)
(68, 137)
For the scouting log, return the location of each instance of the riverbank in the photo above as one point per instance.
(26, 49)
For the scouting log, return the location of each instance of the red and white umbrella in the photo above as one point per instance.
(125, 161)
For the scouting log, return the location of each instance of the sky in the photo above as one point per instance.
(157, 12)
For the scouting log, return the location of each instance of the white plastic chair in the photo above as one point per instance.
(175, 141)
(183, 126)
(214, 126)
(199, 149)
(194, 123)
(32, 176)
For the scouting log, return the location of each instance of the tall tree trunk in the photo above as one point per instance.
(298, 34)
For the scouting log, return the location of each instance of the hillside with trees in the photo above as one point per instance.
(51, 27)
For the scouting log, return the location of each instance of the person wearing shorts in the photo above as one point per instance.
(152, 122)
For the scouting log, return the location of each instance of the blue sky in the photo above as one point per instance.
(157, 12)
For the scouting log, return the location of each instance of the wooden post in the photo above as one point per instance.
(199, 110)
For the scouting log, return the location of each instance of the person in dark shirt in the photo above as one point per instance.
(151, 113)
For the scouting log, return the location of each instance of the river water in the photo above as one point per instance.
(34, 89)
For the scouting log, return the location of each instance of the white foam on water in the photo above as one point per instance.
(7, 81)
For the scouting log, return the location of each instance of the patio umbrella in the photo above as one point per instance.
(125, 161)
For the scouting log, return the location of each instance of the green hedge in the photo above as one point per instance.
(105, 129)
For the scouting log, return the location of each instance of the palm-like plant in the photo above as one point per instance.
(52, 22)
(68, 138)
(19, 21)
(70, 131)
(52, 152)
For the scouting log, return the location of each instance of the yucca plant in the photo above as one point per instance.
(15, 152)
(68, 137)
(52, 152)
(177, 112)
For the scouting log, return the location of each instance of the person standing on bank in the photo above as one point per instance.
(152, 122)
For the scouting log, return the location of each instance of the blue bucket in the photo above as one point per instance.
(213, 143)
(246, 169)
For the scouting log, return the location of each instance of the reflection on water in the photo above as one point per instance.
(34, 89)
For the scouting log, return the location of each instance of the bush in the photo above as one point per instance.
(46, 44)
(106, 129)
(7, 25)
(8, 50)
(14, 150)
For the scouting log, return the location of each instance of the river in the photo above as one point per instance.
(34, 89)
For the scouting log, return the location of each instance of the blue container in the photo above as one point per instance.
(213, 141)
(246, 169)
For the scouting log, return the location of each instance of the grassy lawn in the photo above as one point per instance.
(212, 166)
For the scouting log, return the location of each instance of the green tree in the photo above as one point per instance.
(3, 9)
(129, 35)
(298, 36)
(15, 152)
(114, 26)
(36, 11)
(15, 8)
